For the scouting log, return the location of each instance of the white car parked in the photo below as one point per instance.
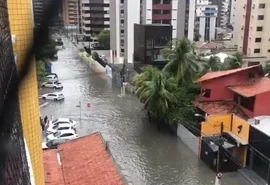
(52, 78)
(62, 136)
(63, 121)
(56, 85)
(59, 127)
(53, 96)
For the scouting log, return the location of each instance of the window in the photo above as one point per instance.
(67, 134)
(122, 31)
(258, 39)
(122, 21)
(206, 93)
(156, 11)
(122, 1)
(247, 103)
(63, 128)
(253, 63)
(259, 28)
(251, 75)
(268, 50)
(257, 50)
(261, 6)
(260, 17)
(122, 11)
(166, 11)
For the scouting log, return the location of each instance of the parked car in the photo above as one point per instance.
(59, 127)
(56, 85)
(62, 121)
(49, 145)
(53, 96)
(52, 78)
(62, 136)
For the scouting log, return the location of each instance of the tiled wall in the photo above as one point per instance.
(21, 24)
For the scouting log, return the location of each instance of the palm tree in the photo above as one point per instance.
(147, 74)
(157, 94)
(181, 60)
(233, 62)
(213, 64)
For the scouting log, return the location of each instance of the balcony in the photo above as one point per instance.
(162, 7)
(161, 17)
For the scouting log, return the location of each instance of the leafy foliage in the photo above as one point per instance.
(41, 71)
(233, 62)
(104, 39)
(47, 51)
(181, 60)
(213, 64)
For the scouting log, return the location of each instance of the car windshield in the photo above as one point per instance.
(61, 95)
(55, 127)
(70, 121)
(54, 121)
(58, 83)
(57, 134)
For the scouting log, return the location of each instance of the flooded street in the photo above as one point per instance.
(144, 155)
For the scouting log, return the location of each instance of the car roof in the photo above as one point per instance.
(67, 131)
(63, 119)
(64, 125)
(51, 75)
(56, 93)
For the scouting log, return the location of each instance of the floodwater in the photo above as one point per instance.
(144, 155)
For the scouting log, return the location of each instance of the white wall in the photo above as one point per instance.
(202, 28)
(147, 11)
(174, 18)
(115, 26)
(132, 16)
(212, 30)
(191, 21)
(188, 138)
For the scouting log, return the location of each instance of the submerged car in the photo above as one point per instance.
(62, 136)
(63, 121)
(55, 85)
(59, 127)
(53, 96)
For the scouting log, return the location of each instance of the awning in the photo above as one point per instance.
(238, 139)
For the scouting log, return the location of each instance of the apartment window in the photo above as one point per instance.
(268, 50)
(251, 75)
(206, 93)
(122, 1)
(166, 22)
(122, 11)
(257, 50)
(260, 17)
(261, 6)
(259, 28)
(156, 11)
(122, 31)
(258, 40)
(122, 50)
(166, 11)
(122, 21)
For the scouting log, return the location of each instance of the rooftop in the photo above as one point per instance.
(263, 126)
(220, 107)
(84, 161)
(253, 88)
(217, 74)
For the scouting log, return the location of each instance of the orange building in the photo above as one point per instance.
(231, 127)
(21, 26)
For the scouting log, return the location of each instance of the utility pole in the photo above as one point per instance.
(123, 80)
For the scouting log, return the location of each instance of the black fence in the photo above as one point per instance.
(13, 161)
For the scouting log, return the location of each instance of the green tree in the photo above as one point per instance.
(157, 94)
(181, 60)
(233, 62)
(47, 51)
(104, 39)
(148, 73)
(213, 64)
(41, 71)
(197, 36)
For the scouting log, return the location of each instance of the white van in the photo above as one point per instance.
(52, 78)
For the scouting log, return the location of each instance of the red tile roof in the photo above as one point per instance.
(53, 170)
(250, 89)
(217, 74)
(220, 107)
(85, 161)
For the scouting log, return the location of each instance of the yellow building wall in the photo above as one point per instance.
(212, 125)
(244, 134)
(21, 25)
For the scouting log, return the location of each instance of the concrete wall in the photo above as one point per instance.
(188, 138)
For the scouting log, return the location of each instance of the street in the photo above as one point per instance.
(145, 156)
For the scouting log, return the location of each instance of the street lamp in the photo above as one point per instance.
(218, 174)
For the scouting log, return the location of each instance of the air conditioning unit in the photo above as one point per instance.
(256, 122)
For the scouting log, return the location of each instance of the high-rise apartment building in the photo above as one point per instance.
(21, 26)
(94, 16)
(206, 16)
(252, 28)
(71, 15)
(179, 14)
(123, 15)
(40, 7)
(223, 16)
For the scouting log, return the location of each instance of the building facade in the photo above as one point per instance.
(223, 16)
(21, 26)
(95, 17)
(40, 7)
(251, 28)
(123, 15)
(149, 40)
(179, 14)
(71, 16)
(244, 92)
